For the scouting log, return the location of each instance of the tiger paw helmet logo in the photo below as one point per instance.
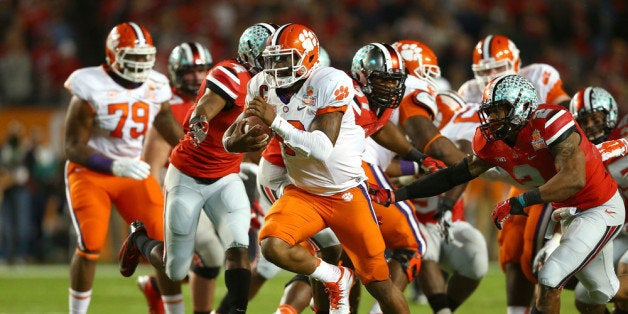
(411, 51)
(308, 40)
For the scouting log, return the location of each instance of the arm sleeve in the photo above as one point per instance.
(313, 144)
(436, 183)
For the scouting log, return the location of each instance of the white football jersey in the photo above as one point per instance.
(543, 76)
(326, 89)
(122, 115)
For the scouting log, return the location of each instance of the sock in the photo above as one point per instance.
(173, 304)
(237, 282)
(533, 310)
(326, 272)
(438, 303)
(224, 305)
(146, 245)
(512, 309)
(453, 305)
(286, 309)
(79, 301)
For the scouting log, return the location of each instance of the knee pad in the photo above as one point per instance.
(205, 272)
(410, 261)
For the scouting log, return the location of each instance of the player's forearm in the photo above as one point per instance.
(436, 183)
(313, 144)
(168, 127)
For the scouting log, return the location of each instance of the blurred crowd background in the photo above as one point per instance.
(43, 41)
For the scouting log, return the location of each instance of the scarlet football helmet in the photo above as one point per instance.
(420, 60)
(493, 56)
(252, 43)
(290, 55)
(130, 52)
(185, 57)
(380, 71)
(516, 97)
(585, 105)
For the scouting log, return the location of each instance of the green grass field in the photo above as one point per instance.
(44, 289)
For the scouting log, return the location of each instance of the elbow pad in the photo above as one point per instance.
(313, 144)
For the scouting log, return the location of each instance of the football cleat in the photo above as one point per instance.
(148, 286)
(338, 292)
(129, 254)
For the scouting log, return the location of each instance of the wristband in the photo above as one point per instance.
(408, 167)
(531, 197)
(414, 155)
(99, 163)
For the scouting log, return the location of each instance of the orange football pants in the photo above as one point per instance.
(90, 196)
(521, 237)
(298, 215)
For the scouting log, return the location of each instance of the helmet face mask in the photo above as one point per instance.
(595, 110)
(420, 60)
(494, 56)
(130, 52)
(380, 71)
(290, 55)
(507, 104)
(185, 60)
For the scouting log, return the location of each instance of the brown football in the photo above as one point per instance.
(251, 121)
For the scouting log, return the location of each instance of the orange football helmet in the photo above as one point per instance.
(290, 55)
(493, 56)
(130, 52)
(420, 60)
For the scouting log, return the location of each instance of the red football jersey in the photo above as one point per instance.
(210, 160)
(531, 163)
(180, 106)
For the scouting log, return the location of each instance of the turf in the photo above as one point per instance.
(44, 289)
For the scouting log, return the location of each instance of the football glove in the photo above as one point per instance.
(199, 126)
(429, 165)
(130, 168)
(380, 195)
(504, 209)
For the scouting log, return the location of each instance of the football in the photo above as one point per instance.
(251, 121)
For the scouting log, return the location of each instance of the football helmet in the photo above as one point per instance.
(290, 55)
(130, 52)
(507, 103)
(381, 73)
(252, 42)
(419, 59)
(584, 107)
(493, 56)
(185, 57)
(323, 57)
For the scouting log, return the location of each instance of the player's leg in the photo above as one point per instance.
(431, 277)
(364, 244)
(467, 260)
(228, 207)
(585, 251)
(206, 267)
(90, 208)
(147, 236)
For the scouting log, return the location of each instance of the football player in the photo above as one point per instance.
(521, 237)
(111, 109)
(542, 147)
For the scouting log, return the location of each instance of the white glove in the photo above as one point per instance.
(544, 253)
(444, 223)
(130, 168)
